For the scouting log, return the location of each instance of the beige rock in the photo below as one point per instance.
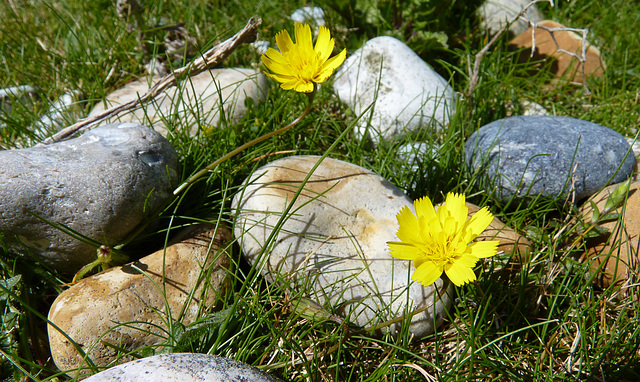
(613, 256)
(91, 312)
(195, 102)
(334, 241)
(565, 64)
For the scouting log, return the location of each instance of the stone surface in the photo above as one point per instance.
(408, 93)
(613, 256)
(101, 184)
(551, 47)
(196, 102)
(183, 367)
(91, 311)
(494, 14)
(551, 156)
(334, 240)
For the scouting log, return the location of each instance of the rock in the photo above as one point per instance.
(553, 47)
(63, 112)
(196, 102)
(408, 93)
(22, 93)
(526, 156)
(102, 184)
(511, 242)
(183, 367)
(124, 306)
(334, 240)
(613, 255)
(302, 15)
(495, 14)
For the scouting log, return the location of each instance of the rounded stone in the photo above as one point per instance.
(613, 254)
(408, 93)
(126, 306)
(334, 241)
(550, 156)
(194, 102)
(495, 14)
(183, 367)
(102, 185)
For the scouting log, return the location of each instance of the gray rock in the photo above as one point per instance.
(552, 156)
(21, 93)
(495, 14)
(183, 367)
(334, 242)
(130, 306)
(408, 93)
(101, 184)
(195, 103)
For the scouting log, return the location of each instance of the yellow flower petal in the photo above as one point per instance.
(427, 273)
(299, 66)
(403, 251)
(460, 274)
(324, 44)
(283, 41)
(484, 249)
(332, 64)
(478, 223)
(409, 228)
(439, 241)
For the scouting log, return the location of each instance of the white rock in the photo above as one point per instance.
(334, 240)
(316, 14)
(195, 102)
(183, 367)
(408, 93)
(496, 13)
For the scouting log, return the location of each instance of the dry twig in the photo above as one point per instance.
(209, 59)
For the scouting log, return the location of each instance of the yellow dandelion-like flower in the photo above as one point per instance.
(299, 65)
(440, 241)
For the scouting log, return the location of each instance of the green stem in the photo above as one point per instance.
(445, 287)
(233, 153)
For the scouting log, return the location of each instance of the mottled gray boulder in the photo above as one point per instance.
(101, 184)
(551, 156)
(183, 367)
(408, 93)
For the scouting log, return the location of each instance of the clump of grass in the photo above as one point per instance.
(541, 320)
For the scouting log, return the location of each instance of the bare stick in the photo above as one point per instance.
(209, 59)
(473, 77)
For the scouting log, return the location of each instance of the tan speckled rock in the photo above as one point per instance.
(554, 47)
(334, 241)
(90, 311)
(614, 255)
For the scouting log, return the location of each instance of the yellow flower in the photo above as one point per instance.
(440, 241)
(298, 65)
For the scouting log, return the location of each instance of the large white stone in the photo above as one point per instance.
(183, 367)
(408, 93)
(333, 242)
(196, 102)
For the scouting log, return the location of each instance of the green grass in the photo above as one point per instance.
(542, 320)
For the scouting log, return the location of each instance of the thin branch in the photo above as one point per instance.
(473, 76)
(209, 59)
